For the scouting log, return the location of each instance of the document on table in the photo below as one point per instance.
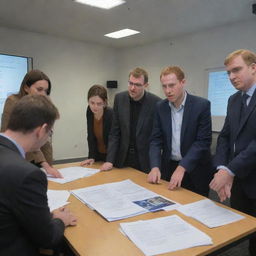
(73, 173)
(57, 198)
(210, 214)
(163, 235)
(115, 200)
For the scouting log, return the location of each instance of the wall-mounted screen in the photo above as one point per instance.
(12, 71)
(219, 90)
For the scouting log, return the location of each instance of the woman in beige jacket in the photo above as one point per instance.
(34, 82)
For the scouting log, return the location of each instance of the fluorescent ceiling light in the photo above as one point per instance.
(105, 4)
(122, 33)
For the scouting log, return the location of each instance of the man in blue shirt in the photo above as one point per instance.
(235, 159)
(181, 136)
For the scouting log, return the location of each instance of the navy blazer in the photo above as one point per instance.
(195, 139)
(236, 145)
(25, 220)
(92, 141)
(120, 132)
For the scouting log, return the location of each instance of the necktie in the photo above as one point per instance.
(244, 106)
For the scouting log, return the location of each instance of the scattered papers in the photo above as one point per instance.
(57, 198)
(115, 201)
(210, 214)
(73, 173)
(163, 235)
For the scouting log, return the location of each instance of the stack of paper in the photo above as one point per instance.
(73, 173)
(210, 214)
(57, 198)
(163, 235)
(116, 200)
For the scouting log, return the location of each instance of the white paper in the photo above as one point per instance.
(114, 200)
(163, 235)
(57, 198)
(210, 214)
(73, 173)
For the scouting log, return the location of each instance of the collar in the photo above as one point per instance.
(181, 105)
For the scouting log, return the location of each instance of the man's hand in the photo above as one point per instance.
(106, 166)
(225, 192)
(154, 176)
(87, 162)
(66, 216)
(221, 179)
(176, 178)
(51, 170)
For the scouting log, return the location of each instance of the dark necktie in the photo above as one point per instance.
(244, 106)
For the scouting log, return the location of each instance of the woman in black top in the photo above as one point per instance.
(99, 120)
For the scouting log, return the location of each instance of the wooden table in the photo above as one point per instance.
(95, 236)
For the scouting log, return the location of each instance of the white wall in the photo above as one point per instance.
(73, 67)
(194, 53)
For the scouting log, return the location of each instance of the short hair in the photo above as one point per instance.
(173, 70)
(32, 111)
(98, 90)
(249, 57)
(32, 77)
(138, 72)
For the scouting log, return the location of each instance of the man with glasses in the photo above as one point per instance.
(235, 159)
(25, 220)
(132, 125)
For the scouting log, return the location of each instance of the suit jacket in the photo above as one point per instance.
(195, 139)
(45, 153)
(92, 141)
(25, 220)
(120, 132)
(236, 145)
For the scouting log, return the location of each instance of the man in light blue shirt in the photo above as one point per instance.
(181, 136)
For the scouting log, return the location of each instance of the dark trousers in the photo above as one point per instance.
(132, 159)
(186, 183)
(240, 201)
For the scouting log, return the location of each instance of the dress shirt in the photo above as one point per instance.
(177, 116)
(21, 150)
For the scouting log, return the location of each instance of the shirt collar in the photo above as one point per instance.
(251, 90)
(181, 105)
(21, 150)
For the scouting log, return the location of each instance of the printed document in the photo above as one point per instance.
(210, 214)
(57, 198)
(163, 235)
(115, 200)
(73, 173)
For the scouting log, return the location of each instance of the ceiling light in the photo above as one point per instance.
(105, 4)
(122, 33)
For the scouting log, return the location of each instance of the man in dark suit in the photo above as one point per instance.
(181, 136)
(235, 158)
(132, 125)
(25, 220)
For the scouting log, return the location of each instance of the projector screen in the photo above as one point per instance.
(12, 71)
(219, 90)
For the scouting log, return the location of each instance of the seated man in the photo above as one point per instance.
(26, 223)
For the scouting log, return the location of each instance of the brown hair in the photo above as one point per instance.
(32, 77)
(32, 111)
(173, 70)
(98, 90)
(249, 57)
(138, 72)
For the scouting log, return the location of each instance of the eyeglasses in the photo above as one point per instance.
(50, 132)
(135, 84)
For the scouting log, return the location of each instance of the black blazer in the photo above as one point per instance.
(25, 220)
(236, 145)
(120, 132)
(92, 141)
(195, 140)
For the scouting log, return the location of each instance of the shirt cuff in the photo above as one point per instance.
(226, 169)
